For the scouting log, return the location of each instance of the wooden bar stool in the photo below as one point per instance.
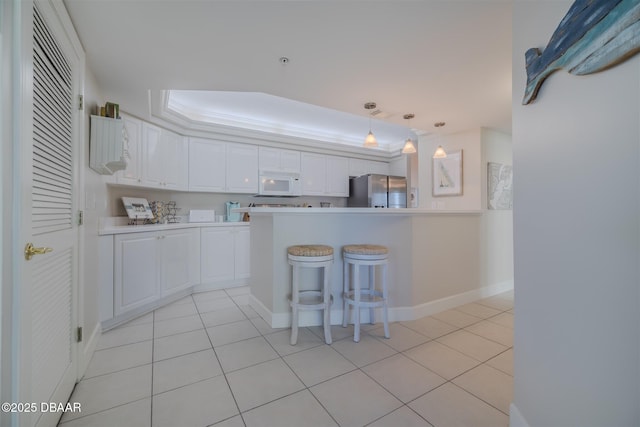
(310, 256)
(368, 297)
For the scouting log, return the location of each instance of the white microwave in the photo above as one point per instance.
(280, 184)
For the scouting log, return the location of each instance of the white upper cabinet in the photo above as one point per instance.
(222, 167)
(278, 160)
(242, 168)
(398, 166)
(153, 156)
(314, 174)
(132, 175)
(176, 161)
(157, 158)
(324, 175)
(337, 176)
(165, 159)
(359, 167)
(207, 165)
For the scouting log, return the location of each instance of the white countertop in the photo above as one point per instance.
(118, 225)
(359, 211)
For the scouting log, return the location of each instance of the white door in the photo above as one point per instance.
(48, 188)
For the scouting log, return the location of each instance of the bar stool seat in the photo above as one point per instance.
(310, 256)
(371, 256)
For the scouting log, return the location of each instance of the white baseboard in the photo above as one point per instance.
(206, 287)
(515, 417)
(87, 350)
(396, 314)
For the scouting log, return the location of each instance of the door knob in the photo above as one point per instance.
(30, 251)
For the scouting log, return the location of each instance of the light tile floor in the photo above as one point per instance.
(209, 359)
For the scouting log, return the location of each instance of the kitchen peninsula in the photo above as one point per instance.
(435, 257)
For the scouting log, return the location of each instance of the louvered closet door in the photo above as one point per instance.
(50, 279)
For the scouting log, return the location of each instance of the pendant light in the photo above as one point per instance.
(370, 140)
(409, 148)
(440, 153)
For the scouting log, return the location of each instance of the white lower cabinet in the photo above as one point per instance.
(152, 265)
(224, 254)
(242, 241)
(180, 260)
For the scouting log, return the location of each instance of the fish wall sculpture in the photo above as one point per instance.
(593, 36)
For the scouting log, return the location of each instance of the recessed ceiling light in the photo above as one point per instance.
(284, 60)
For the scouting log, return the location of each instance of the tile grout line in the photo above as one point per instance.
(153, 348)
(224, 374)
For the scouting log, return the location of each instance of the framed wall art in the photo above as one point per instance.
(499, 186)
(137, 208)
(447, 175)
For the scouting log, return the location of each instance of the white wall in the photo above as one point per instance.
(94, 206)
(577, 239)
(496, 266)
(470, 144)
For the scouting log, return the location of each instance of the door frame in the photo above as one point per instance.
(16, 40)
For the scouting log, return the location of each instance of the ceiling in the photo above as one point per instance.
(447, 60)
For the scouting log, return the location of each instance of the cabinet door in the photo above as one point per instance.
(381, 168)
(290, 161)
(337, 176)
(207, 165)
(357, 167)
(268, 159)
(242, 168)
(398, 166)
(179, 249)
(132, 175)
(152, 156)
(313, 174)
(216, 254)
(136, 272)
(175, 161)
(242, 253)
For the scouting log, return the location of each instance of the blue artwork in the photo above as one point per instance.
(593, 36)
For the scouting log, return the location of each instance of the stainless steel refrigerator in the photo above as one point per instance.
(377, 191)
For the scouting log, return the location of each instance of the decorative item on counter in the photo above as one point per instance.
(163, 212)
(157, 208)
(171, 212)
(137, 209)
(233, 216)
(246, 217)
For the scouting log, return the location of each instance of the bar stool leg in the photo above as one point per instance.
(295, 298)
(327, 304)
(345, 290)
(385, 316)
(372, 288)
(356, 303)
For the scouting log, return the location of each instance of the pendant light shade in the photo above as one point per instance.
(408, 148)
(370, 140)
(440, 153)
